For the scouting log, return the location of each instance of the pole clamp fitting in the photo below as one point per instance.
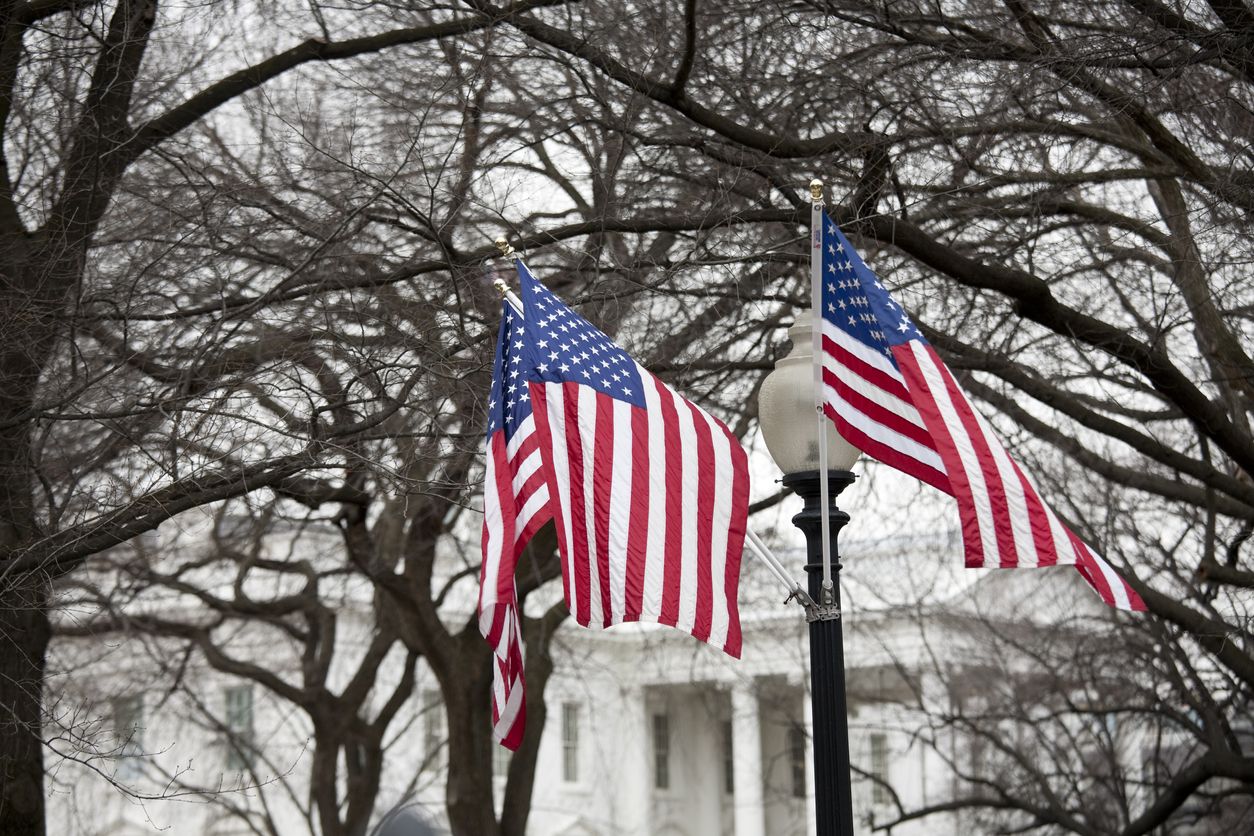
(822, 612)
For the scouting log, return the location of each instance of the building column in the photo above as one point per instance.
(811, 826)
(750, 801)
(633, 779)
(808, 720)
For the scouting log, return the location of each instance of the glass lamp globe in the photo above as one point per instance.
(786, 411)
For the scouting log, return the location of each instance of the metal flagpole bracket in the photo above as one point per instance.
(821, 612)
(803, 598)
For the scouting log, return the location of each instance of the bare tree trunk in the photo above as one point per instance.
(25, 329)
(471, 811)
(516, 807)
(470, 795)
(24, 630)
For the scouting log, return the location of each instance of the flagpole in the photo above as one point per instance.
(833, 803)
(763, 552)
(816, 338)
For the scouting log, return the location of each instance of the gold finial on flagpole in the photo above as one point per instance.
(816, 191)
(502, 286)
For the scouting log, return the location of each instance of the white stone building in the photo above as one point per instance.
(649, 732)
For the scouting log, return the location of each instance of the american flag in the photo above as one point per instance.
(648, 491)
(891, 396)
(516, 504)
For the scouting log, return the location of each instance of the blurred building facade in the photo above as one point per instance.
(649, 733)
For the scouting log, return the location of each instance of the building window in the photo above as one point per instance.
(239, 727)
(879, 769)
(433, 732)
(570, 742)
(729, 767)
(661, 751)
(976, 755)
(128, 733)
(797, 761)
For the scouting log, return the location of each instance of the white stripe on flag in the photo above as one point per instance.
(493, 526)
(724, 475)
(1055, 530)
(688, 477)
(659, 467)
(587, 414)
(620, 497)
(961, 443)
(555, 403)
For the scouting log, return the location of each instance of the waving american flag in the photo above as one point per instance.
(649, 493)
(892, 397)
(516, 504)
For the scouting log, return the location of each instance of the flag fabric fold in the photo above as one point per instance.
(515, 506)
(648, 492)
(891, 396)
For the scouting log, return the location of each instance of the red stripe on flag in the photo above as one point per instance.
(540, 410)
(995, 490)
(672, 575)
(1038, 517)
(705, 521)
(529, 445)
(602, 485)
(493, 634)
(534, 524)
(578, 505)
(638, 534)
(504, 586)
(534, 482)
(1089, 565)
(735, 540)
(925, 403)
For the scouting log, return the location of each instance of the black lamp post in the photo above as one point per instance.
(786, 413)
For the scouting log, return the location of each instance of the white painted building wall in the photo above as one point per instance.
(617, 683)
(640, 676)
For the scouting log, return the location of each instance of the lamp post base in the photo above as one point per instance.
(833, 801)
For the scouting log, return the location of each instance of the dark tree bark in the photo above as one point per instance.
(25, 634)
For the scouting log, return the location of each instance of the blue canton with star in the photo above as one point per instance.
(565, 347)
(856, 302)
(509, 403)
